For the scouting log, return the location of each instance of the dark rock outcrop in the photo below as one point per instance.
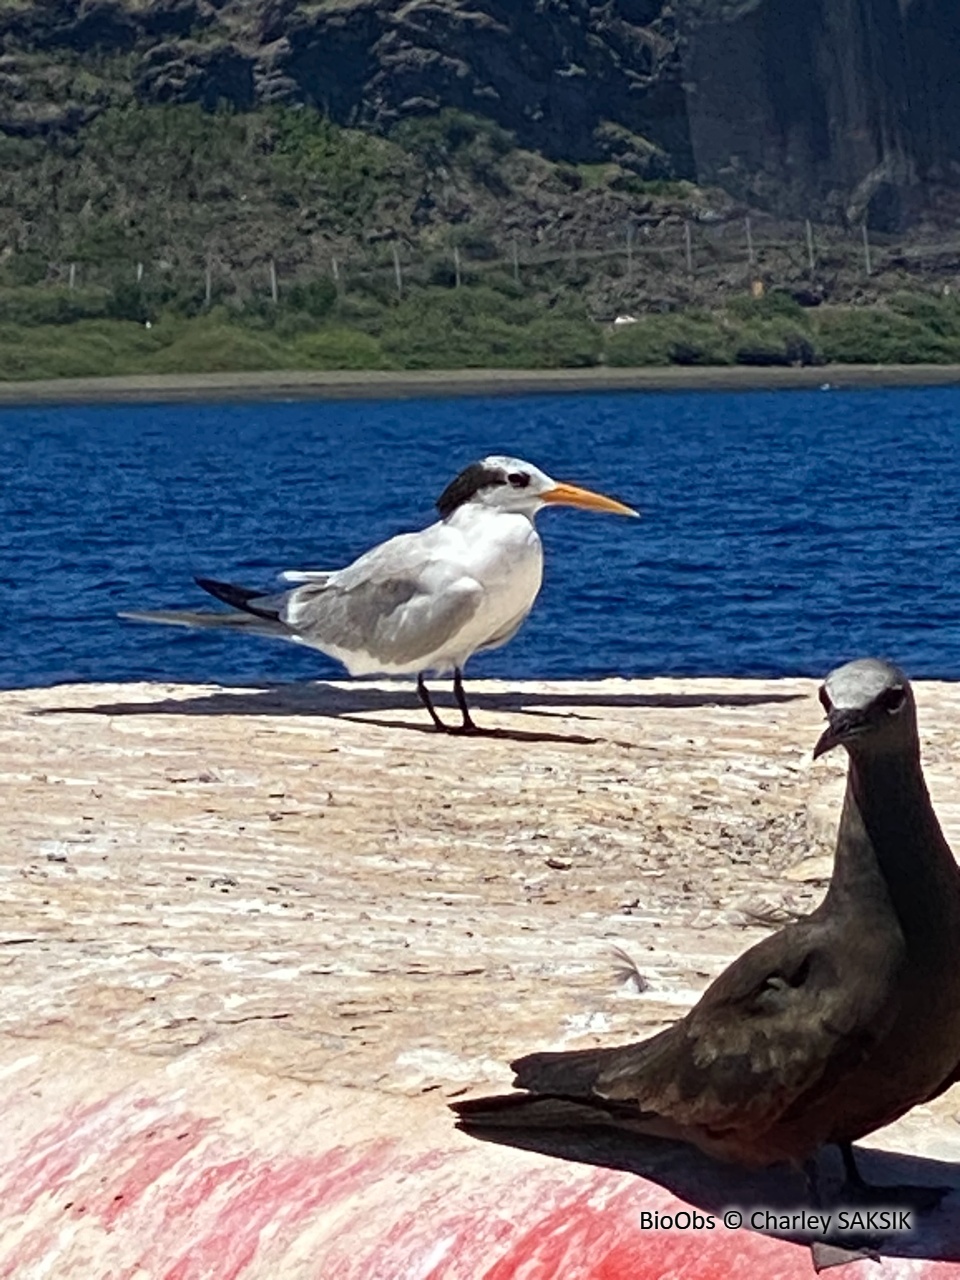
(553, 74)
(805, 105)
(932, 34)
(183, 71)
(844, 109)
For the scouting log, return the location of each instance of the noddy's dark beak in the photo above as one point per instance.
(843, 725)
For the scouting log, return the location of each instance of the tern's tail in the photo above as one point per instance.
(257, 614)
(245, 622)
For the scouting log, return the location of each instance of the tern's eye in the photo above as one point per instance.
(824, 699)
(892, 699)
(519, 479)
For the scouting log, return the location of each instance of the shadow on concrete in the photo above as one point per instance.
(713, 1187)
(317, 698)
(358, 700)
(497, 734)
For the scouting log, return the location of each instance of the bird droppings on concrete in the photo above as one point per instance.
(400, 928)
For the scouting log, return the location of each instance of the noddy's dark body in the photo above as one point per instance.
(825, 1031)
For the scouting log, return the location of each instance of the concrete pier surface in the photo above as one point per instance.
(290, 923)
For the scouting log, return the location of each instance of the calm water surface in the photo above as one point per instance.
(782, 532)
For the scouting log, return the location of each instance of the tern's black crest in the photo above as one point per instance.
(467, 485)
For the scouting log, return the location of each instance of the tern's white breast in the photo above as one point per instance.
(500, 550)
(476, 576)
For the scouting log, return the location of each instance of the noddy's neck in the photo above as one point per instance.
(890, 845)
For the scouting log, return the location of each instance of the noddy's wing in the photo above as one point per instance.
(947, 1083)
(397, 604)
(773, 1033)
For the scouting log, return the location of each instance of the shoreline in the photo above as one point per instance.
(380, 384)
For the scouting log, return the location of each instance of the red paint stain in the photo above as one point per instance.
(452, 1221)
(211, 1215)
(53, 1158)
(376, 1213)
(494, 1232)
(60, 1170)
(196, 1188)
(59, 1152)
(562, 1241)
(591, 1231)
(713, 1255)
(280, 1195)
(136, 1165)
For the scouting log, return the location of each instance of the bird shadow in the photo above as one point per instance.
(356, 699)
(714, 1187)
(498, 734)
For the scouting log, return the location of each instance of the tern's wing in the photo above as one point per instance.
(398, 604)
(307, 575)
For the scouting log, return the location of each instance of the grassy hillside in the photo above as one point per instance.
(169, 238)
(476, 327)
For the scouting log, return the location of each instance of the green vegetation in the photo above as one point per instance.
(695, 338)
(170, 239)
(65, 335)
(913, 329)
(908, 329)
(481, 328)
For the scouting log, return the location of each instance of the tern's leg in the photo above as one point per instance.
(468, 726)
(855, 1186)
(425, 698)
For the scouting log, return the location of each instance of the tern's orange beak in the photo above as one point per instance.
(572, 496)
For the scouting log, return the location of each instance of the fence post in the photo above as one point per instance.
(516, 262)
(456, 265)
(688, 246)
(811, 254)
(751, 255)
(398, 273)
(274, 291)
(866, 250)
(139, 272)
(207, 285)
(72, 280)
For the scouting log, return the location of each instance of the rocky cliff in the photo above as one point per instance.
(843, 107)
(824, 108)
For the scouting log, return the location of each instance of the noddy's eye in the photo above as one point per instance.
(824, 699)
(892, 699)
(519, 479)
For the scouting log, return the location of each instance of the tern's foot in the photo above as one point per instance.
(467, 729)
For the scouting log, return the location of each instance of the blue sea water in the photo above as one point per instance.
(782, 532)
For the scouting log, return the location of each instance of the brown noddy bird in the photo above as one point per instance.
(830, 1028)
